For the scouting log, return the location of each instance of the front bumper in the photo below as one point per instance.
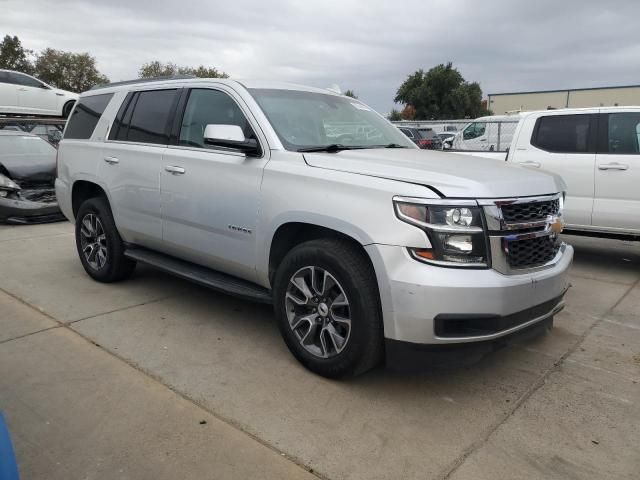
(426, 304)
(20, 211)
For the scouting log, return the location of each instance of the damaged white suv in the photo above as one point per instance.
(364, 244)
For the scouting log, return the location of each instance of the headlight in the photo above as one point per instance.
(7, 186)
(456, 232)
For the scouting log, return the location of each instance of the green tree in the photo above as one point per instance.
(13, 56)
(351, 93)
(158, 69)
(394, 115)
(441, 93)
(70, 71)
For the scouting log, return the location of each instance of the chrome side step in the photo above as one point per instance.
(201, 275)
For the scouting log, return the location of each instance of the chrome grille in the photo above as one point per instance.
(532, 252)
(526, 212)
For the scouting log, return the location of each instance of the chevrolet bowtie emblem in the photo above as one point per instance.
(556, 226)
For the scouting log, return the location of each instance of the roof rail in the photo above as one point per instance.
(142, 80)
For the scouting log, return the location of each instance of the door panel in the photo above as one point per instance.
(131, 173)
(34, 96)
(132, 170)
(617, 175)
(210, 209)
(42, 101)
(8, 94)
(210, 196)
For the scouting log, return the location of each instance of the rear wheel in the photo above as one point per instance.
(328, 309)
(99, 245)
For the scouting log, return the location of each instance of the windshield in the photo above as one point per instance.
(304, 120)
(24, 145)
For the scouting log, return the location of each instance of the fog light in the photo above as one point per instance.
(459, 243)
(459, 216)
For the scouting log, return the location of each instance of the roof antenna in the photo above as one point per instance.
(335, 89)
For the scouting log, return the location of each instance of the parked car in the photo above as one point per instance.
(424, 138)
(27, 174)
(365, 248)
(597, 152)
(22, 94)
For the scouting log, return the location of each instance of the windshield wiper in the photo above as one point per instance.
(333, 148)
(395, 145)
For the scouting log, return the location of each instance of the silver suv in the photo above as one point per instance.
(310, 200)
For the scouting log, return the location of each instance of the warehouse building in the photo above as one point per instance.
(501, 103)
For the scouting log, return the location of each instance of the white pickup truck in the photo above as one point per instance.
(597, 152)
(365, 245)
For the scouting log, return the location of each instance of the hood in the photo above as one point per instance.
(456, 176)
(36, 168)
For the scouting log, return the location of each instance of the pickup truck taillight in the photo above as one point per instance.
(425, 143)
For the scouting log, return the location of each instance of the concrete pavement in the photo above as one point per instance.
(565, 405)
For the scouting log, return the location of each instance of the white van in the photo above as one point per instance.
(487, 134)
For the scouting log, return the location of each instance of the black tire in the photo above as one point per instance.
(348, 264)
(115, 266)
(66, 109)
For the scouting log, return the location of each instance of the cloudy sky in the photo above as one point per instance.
(369, 46)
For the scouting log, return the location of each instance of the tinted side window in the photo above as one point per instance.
(623, 133)
(150, 118)
(210, 107)
(24, 80)
(85, 116)
(4, 77)
(562, 133)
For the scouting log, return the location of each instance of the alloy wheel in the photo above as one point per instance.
(93, 241)
(318, 312)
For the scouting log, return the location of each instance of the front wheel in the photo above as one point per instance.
(328, 308)
(99, 245)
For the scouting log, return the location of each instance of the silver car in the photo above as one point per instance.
(309, 200)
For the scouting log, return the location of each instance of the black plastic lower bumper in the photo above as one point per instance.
(416, 357)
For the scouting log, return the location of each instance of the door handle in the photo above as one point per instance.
(22, 89)
(111, 160)
(613, 166)
(530, 164)
(175, 170)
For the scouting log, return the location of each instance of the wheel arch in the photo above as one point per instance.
(293, 233)
(70, 104)
(83, 190)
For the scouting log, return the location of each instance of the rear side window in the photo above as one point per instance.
(85, 116)
(147, 117)
(623, 133)
(563, 134)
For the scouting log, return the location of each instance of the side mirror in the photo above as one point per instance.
(231, 136)
(44, 86)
